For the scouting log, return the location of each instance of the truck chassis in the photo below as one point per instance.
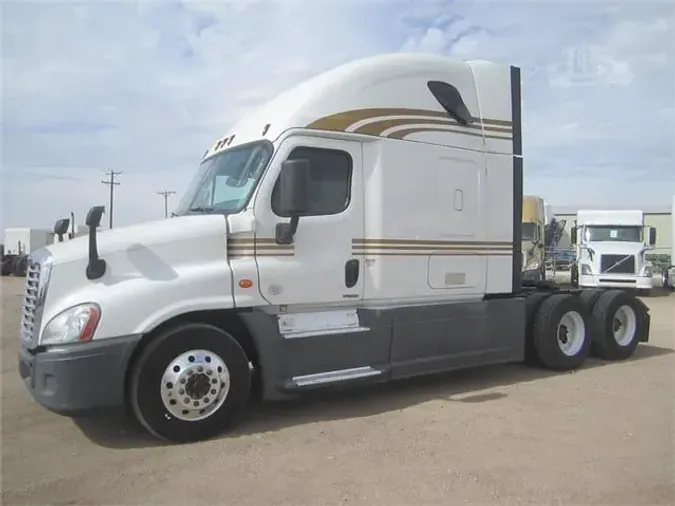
(189, 379)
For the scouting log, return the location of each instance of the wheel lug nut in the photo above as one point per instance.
(206, 400)
(200, 368)
(213, 391)
(182, 381)
(209, 372)
(181, 391)
(186, 400)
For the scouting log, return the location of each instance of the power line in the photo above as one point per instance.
(111, 183)
(166, 194)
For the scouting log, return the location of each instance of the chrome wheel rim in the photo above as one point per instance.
(194, 385)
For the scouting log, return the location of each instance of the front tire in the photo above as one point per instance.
(561, 335)
(189, 383)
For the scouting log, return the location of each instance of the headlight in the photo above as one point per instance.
(73, 325)
(586, 270)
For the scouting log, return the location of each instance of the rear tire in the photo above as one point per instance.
(189, 383)
(532, 304)
(590, 297)
(618, 322)
(561, 335)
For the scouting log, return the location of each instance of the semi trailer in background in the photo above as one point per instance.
(670, 273)
(611, 249)
(533, 242)
(19, 243)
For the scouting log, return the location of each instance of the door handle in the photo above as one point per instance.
(351, 272)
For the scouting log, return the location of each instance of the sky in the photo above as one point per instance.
(145, 87)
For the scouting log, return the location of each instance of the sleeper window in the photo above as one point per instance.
(330, 181)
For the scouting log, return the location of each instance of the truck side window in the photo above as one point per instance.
(331, 180)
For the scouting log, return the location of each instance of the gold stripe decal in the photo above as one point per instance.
(267, 247)
(388, 123)
(242, 247)
(420, 247)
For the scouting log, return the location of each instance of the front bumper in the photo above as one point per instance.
(615, 281)
(78, 378)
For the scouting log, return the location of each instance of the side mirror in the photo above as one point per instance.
(652, 236)
(293, 197)
(94, 216)
(97, 266)
(573, 236)
(61, 227)
(294, 187)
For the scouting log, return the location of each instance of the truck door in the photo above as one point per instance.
(318, 269)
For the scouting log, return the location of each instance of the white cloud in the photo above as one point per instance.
(145, 87)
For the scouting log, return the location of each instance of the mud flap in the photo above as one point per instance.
(644, 338)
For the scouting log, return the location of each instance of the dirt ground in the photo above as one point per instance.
(496, 435)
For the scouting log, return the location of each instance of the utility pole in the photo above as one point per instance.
(166, 194)
(111, 183)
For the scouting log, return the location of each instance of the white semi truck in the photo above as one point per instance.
(362, 227)
(611, 250)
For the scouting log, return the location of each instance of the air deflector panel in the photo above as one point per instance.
(451, 100)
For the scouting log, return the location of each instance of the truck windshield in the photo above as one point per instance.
(529, 231)
(224, 182)
(617, 233)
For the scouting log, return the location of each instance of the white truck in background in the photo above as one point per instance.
(19, 243)
(611, 250)
(363, 227)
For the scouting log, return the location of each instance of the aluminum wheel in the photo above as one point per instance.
(571, 333)
(624, 325)
(194, 385)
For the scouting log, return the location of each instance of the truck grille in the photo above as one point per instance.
(627, 265)
(30, 301)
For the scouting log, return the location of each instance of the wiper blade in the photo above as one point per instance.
(201, 209)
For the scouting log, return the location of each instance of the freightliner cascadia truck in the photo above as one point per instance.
(362, 227)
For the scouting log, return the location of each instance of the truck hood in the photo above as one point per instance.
(188, 230)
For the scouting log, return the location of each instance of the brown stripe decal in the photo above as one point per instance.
(343, 121)
(421, 247)
(266, 247)
(242, 247)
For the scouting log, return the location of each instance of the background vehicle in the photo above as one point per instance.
(670, 273)
(19, 243)
(533, 239)
(611, 247)
(309, 251)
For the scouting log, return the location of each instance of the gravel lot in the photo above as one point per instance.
(506, 434)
